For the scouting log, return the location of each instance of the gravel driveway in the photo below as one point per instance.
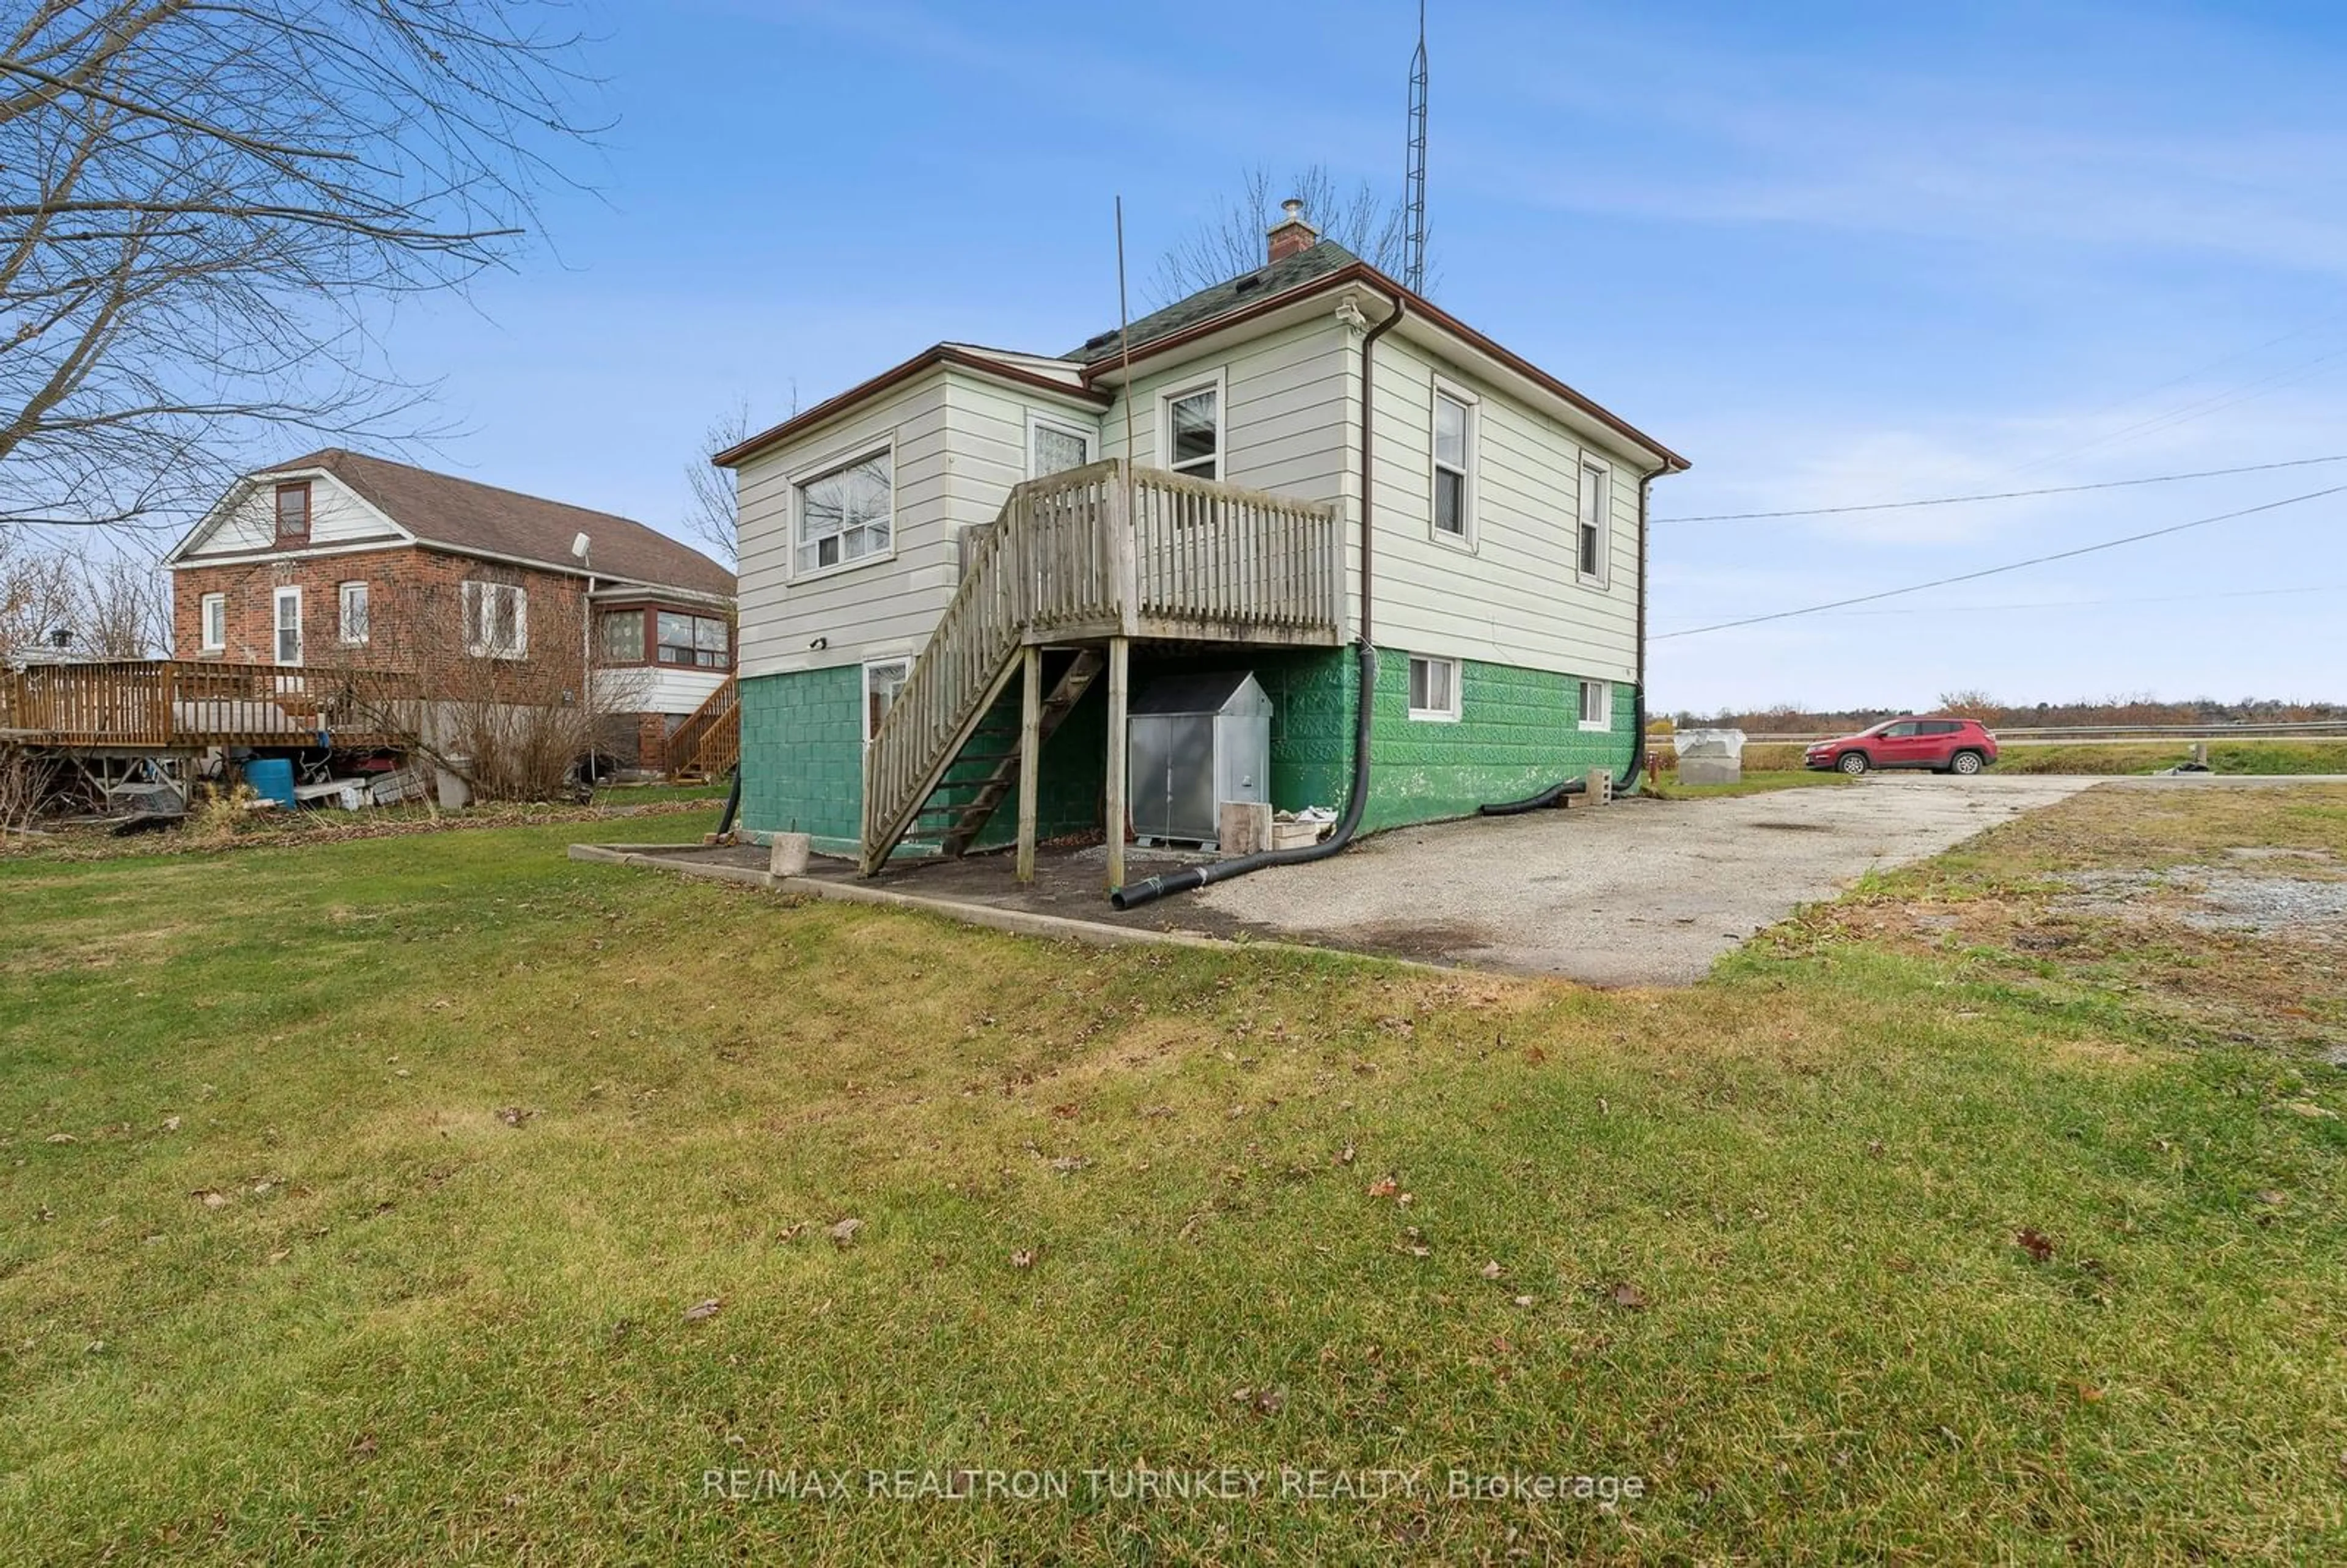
(1640, 892)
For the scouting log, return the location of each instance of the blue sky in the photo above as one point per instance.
(1834, 253)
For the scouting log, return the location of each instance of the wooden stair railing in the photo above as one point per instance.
(708, 740)
(1081, 557)
(1050, 559)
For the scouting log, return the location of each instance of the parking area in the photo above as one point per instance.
(1641, 892)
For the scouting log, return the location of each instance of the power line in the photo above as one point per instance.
(2099, 603)
(2009, 566)
(2003, 495)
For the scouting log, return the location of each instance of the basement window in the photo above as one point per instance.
(883, 679)
(1433, 688)
(1598, 704)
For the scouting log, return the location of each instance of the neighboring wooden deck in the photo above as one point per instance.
(185, 705)
(1096, 556)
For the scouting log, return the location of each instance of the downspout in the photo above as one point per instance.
(1564, 788)
(1364, 694)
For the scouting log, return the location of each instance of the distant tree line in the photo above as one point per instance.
(1792, 718)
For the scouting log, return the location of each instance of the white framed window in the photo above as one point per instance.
(1454, 465)
(1433, 688)
(845, 513)
(1054, 446)
(352, 599)
(1590, 550)
(286, 615)
(497, 620)
(1191, 429)
(703, 641)
(1598, 704)
(212, 615)
(883, 678)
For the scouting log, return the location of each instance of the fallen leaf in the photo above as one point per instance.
(2309, 1109)
(1535, 1055)
(1344, 1155)
(2037, 1245)
(1415, 1249)
(844, 1231)
(702, 1311)
(1523, 1301)
(1068, 1165)
(1629, 1297)
(2090, 1395)
(280, 1255)
(209, 1198)
(514, 1115)
(1404, 1200)
(1023, 1258)
(791, 1232)
(2275, 1198)
(62, 1138)
(1384, 1187)
(171, 1124)
(1064, 1113)
(1492, 1270)
(363, 1445)
(1874, 1147)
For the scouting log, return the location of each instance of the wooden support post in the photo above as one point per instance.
(1030, 753)
(1119, 677)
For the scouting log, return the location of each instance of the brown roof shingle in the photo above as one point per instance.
(466, 515)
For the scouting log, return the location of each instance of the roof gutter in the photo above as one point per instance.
(1365, 687)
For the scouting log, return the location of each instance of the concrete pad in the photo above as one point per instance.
(1643, 893)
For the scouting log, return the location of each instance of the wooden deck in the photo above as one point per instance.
(1098, 555)
(166, 705)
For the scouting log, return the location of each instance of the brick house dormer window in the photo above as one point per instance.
(293, 513)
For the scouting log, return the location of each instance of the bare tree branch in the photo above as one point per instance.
(208, 199)
(1230, 242)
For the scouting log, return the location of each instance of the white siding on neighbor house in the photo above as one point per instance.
(337, 518)
(656, 688)
(1515, 598)
(960, 445)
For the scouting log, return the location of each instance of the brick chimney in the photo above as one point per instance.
(1292, 235)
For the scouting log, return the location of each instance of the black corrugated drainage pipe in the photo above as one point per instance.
(732, 804)
(1557, 792)
(1364, 703)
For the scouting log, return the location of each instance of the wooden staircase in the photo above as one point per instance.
(996, 749)
(708, 740)
(1072, 562)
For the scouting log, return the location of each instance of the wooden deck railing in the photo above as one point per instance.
(167, 704)
(1078, 557)
(708, 740)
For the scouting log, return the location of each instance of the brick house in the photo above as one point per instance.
(338, 558)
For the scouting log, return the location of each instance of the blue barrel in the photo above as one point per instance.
(272, 778)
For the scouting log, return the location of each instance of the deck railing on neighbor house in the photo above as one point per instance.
(177, 704)
(1079, 557)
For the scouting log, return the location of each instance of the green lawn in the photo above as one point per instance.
(357, 1196)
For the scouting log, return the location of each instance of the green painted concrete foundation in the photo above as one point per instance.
(1518, 732)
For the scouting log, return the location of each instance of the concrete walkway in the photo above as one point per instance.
(1638, 892)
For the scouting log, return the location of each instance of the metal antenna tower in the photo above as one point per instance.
(1413, 240)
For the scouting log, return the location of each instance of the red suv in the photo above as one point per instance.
(1943, 745)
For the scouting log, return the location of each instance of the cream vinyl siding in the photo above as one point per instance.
(961, 445)
(1285, 411)
(1516, 598)
(873, 603)
(337, 518)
